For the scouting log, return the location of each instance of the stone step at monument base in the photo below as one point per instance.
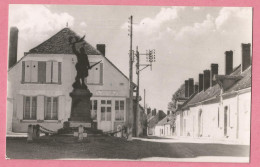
(74, 128)
(75, 124)
(79, 119)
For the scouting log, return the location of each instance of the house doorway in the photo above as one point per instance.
(225, 120)
(106, 115)
(200, 123)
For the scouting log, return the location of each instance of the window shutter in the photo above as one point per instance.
(34, 71)
(27, 71)
(45, 107)
(101, 73)
(20, 106)
(23, 71)
(59, 77)
(55, 72)
(42, 72)
(48, 71)
(40, 107)
(61, 106)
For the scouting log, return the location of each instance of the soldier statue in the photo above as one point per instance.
(82, 65)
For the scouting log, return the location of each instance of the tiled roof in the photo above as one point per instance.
(169, 119)
(59, 44)
(155, 119)
(214, 92)
(204, 95)
(149, 116)
(245, 82)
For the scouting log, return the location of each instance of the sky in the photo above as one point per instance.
(186, 39)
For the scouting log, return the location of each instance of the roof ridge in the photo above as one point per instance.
(50, 38)
(59, 44)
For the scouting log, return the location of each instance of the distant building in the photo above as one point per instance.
(154, 118)
(39, 86)
(166, 126)
(221, 109)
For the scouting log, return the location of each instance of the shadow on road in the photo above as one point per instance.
(62, 147)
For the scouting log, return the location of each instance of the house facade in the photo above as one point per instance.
(40, 83)
(222, 110)
(152, 121)
(165, 127)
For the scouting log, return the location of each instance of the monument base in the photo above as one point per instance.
(80, 107)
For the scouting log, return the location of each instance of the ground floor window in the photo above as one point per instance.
(29, 107)
(50, 108)
(119, 110)
(93, 109)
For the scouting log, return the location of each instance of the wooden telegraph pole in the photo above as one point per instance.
(150, 57)
(130, 113)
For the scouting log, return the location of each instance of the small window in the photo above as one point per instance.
(119, 110)
(51, 108)
(30, 108)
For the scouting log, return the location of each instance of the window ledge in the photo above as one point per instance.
(101, 84)
(28, 121)
(52, 121)
(40, 121)
(38, 83)
(119, 121)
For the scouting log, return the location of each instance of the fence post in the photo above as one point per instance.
(30, 133)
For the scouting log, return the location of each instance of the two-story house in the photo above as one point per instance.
(39, 85)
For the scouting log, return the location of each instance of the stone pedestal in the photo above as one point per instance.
(80, 107)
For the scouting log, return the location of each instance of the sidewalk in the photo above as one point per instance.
(175, 139)
(13, 134)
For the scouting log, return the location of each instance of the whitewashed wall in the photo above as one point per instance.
(115, 85)
(212, 126)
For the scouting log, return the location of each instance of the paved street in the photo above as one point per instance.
(60, 147)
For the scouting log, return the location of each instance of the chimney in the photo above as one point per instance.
(246, 58)
(200, 82)
(214, 71)
(148, 111)
(191, 86)
(206, 79)
(196, 88)
(229, 62)
(13, 43)
(102, 49)
(154, 112)
(186, 88)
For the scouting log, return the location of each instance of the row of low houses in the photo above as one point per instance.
(219, 107)
(40, 83)
(160, 124)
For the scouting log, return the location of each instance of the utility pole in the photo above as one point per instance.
(137, 93)
(130, 114)
(144, 101)
(150, 57)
